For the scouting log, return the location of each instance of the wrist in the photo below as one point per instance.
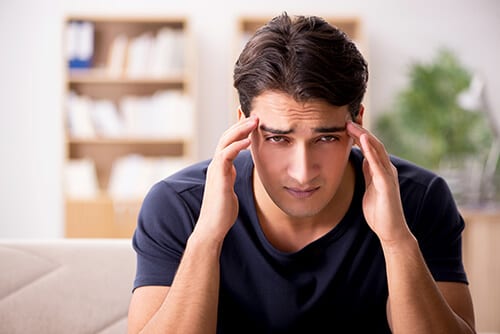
(406, 243)
(203, 238)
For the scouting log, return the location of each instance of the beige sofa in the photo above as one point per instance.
(65, 285)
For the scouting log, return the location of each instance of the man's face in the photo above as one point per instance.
(300, 151)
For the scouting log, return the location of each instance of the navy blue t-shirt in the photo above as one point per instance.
(335, 284)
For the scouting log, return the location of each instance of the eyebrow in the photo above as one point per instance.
(317, 130)
(331, 129)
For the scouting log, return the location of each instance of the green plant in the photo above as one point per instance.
(426, 125)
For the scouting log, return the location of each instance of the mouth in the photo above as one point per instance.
(301, 193)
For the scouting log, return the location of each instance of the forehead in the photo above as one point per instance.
(279, 107)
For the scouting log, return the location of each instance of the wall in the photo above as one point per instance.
(31, 134)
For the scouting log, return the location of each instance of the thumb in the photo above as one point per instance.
(367, 172)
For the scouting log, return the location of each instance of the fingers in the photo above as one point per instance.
(373, 150)
(236, 137)
(355, 131)
(367, 172)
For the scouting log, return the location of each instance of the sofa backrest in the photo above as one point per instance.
(65, 285)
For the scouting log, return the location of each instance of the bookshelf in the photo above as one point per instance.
(128, 116)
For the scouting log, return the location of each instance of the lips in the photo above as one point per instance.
(301, 193)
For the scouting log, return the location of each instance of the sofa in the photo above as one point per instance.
(65, 285)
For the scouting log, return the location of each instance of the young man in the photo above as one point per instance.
(302, 232)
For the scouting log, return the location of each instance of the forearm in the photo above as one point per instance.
(416, 304)
(191, 304)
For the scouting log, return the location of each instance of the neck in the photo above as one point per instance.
(290, 234)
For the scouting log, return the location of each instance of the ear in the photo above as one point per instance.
(359, 118)
(241, 115)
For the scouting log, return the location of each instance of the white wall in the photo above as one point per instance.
(31, 134)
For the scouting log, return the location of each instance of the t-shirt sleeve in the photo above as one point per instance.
(439, 232)
(164, 224)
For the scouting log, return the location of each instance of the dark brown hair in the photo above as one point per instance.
(304, 57)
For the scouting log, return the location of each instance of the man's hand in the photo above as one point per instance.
(220, 203)
(382, 201)
(415, 300)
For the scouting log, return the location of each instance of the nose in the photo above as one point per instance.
(301, 166)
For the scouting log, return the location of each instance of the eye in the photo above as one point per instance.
(328, 139)
(277, 139)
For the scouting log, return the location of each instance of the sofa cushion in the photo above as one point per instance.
(65, 285)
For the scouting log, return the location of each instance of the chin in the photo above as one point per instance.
(295, 212)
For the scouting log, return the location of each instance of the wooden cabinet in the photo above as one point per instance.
(128, 99)
(481, 251)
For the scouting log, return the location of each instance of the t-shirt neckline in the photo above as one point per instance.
(331, 236)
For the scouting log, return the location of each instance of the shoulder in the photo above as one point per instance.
(428, 201)
(413, 173)
(192, 178)
(186, 179)
(424, 188)
(421, 189)
(409, 173)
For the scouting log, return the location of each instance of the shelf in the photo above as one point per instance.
(107, 28)
(117, 91)
(100, 77)
(127, 141)
(113, 150)
(105, 153)
(133, 21)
